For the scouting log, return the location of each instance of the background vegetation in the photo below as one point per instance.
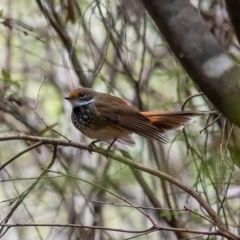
(52, 188)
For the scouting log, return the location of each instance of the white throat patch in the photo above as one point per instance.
(78, 103)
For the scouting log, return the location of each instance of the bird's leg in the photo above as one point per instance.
(105, 153)
(90, 146)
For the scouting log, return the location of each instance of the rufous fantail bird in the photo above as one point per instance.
(110, 119)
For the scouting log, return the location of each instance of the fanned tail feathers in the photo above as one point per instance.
(170, 121)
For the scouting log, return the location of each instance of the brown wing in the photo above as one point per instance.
(117, 112)
(141, 126)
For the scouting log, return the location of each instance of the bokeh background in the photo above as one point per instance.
(48, 48)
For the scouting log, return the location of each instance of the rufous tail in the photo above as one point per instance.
(169, 121)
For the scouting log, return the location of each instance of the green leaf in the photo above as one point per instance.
(6, 76)
(7, 79)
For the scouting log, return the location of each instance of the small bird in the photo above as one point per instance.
(110, 119)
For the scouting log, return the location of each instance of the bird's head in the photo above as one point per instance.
(81, 97)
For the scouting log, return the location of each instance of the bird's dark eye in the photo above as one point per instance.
(82, 95)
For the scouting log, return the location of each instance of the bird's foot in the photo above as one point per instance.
(91, 145)
(106, 152)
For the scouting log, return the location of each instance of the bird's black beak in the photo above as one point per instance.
(68, 98)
